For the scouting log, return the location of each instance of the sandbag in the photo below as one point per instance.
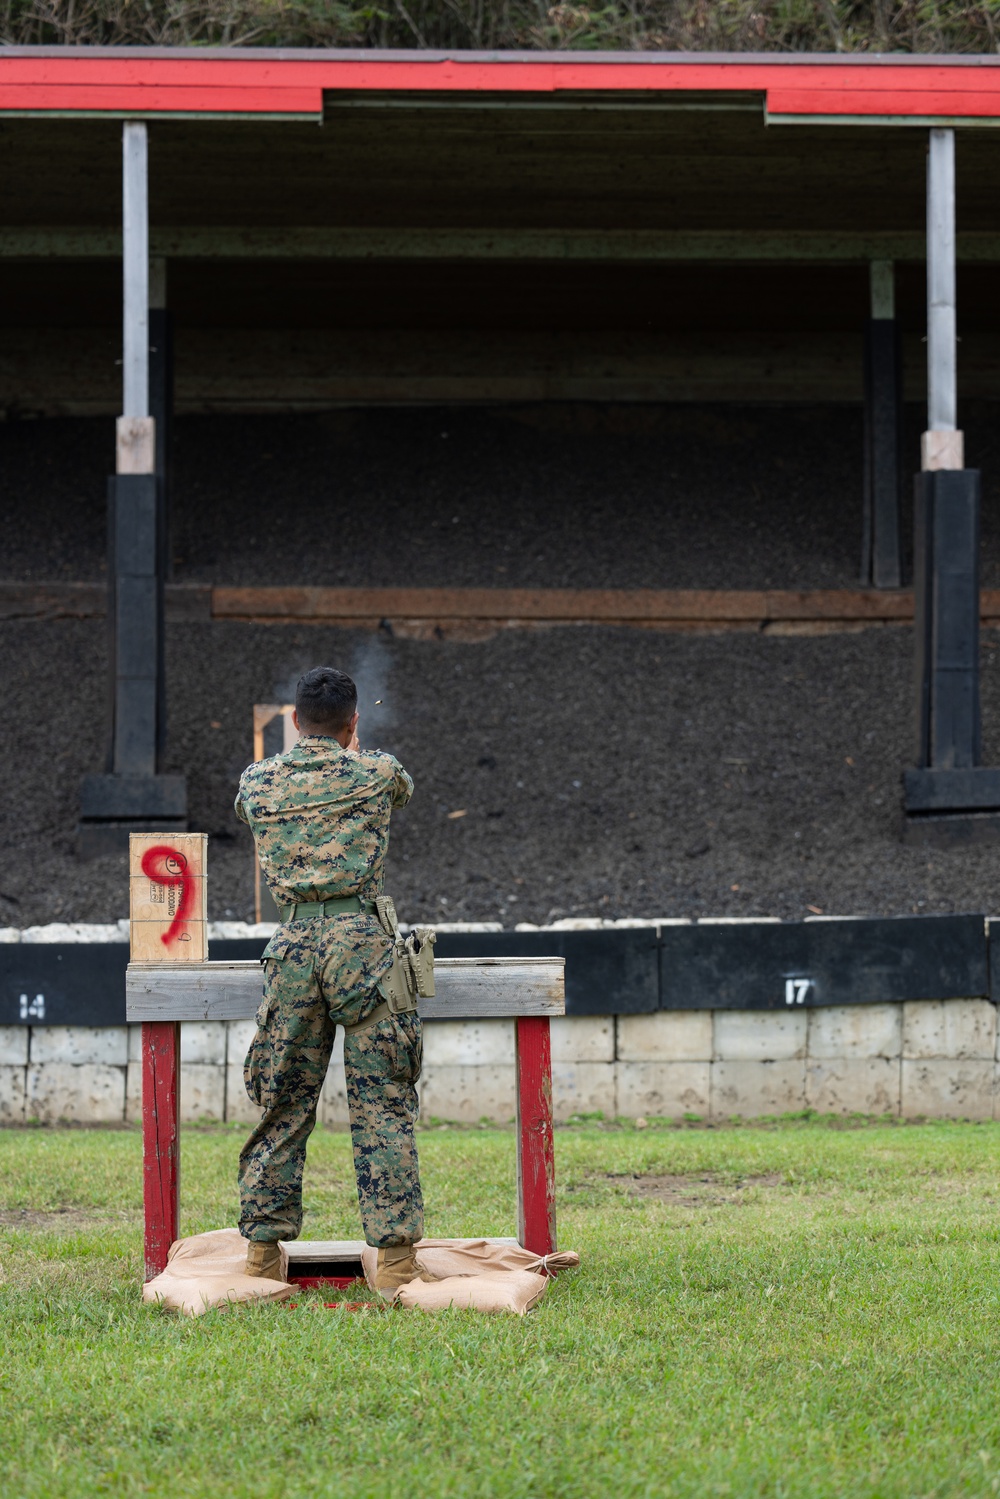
(477, 1274)
(514, 1291)
(209, 1270)
(446, 1257)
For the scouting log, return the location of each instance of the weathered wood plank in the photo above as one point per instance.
(608, 604)
(342, 1249)
(648, 606)
(183, 602)
(232, 369)
(467, 989)
(311, 242)
(324, 1249)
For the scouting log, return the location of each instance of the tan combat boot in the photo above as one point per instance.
(397, 1267)
(264, 1260)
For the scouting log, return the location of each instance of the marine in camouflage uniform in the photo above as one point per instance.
(319, 815)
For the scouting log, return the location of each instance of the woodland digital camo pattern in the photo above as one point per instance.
(319, 815)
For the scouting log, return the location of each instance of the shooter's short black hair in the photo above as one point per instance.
(325, 699)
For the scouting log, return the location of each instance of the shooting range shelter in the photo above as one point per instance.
(297, 231)
(279, 231)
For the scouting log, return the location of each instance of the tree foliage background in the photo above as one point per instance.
(624, 25)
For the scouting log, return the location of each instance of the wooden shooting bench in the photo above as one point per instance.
(170, 980)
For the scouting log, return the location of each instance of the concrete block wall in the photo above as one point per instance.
(934, 1058)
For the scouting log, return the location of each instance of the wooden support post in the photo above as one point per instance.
(161, 410)
(881, 564)
(161, 1153)
(167, 924)
(536, 1171)
(946, 584)
(949, 796)
(133, 794)
(941, 445)
(273, 734)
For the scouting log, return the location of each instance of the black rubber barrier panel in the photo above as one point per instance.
(607, 972)
(623, 971)
(71, 983)
(994, 959)
(763, 966)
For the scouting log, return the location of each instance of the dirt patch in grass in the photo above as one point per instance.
(701, 1190)
(52, 1218)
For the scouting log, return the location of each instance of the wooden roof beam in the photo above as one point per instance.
(312, 243)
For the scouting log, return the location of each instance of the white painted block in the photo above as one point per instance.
(583, 1088)
(76, 931)
(239, 1109)
(239, 1034)
(582, 1038)
(856, 1031)
(948, 1088)
(12, 1095)
(86, 1094)
(747, 1089)
(204, 1041)
(462, 926)
(13, 1045)
(664, 1090)
(759, 1035)
(133, 1092)
(739, 920)
(10, 934)
(854, 1085)
(469, 1043)
(667, 1036)
(201, 1041)
(203, 1091)
(99, 1045)
(965, 1028)
(241, 931)
(468, 1094)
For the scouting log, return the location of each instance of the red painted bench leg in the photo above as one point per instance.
(536, 1168)
(161, 1150)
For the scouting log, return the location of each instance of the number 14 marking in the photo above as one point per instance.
(796, 991)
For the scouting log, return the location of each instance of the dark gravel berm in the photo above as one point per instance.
(601, 772)
(555, 496)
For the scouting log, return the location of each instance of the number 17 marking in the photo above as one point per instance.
(796, 991)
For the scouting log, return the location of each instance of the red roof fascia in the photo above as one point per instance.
(274, 85)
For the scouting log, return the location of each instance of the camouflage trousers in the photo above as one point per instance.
(319, 974)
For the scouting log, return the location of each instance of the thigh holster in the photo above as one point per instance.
(411, 976)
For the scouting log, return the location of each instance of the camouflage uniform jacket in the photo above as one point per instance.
(319, 815)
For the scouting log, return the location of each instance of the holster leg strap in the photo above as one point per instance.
(379, 1013)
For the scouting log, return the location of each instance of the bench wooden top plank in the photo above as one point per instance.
(339, 1249)
(467, 989)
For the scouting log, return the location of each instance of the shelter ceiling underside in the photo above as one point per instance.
(499, 296)
(521, 168)
(304, 271)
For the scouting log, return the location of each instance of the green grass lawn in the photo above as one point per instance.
(790, 1309)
